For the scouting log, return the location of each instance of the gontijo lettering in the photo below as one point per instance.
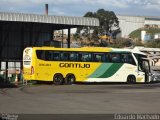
(74, 65)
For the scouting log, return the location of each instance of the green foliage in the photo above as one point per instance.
(153, 43)
(138, 43)
(137, 33)
(76, 36)
(107, 20)
(121, 43)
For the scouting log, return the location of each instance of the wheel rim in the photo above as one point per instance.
(70, 79)
(58, 79)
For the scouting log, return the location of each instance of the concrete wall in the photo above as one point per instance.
(152, 22)
(128, 24)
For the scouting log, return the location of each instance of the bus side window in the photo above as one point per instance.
(52, 55)
(85, 57)
(106, 57)
(80, 57)
(88, 57)
(114, 57)
(39, 54)
(47, 55)
(56, 56)
(65, 56)
(98, 57)
(127, 58)
(131, 60)
(73, 56)
(43, 55)
(110, 57)
(124, 58)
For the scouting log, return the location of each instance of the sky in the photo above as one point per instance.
(80, 7)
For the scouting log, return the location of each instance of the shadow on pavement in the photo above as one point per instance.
(7, 84)
(10, 85)
(91, 83)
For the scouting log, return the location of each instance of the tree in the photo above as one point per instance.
(153, 43)
(121, 43)
(108, 20)
(108, 24)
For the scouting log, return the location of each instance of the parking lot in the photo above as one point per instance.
(81, 99)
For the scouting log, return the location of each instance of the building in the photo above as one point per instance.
(19, 30)
(128, 24)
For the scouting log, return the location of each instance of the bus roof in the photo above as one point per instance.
(138, 52)
(88, 49)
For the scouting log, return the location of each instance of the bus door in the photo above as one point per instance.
(145, 66)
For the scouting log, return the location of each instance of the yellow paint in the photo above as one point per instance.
(45, 70)
(139, 79)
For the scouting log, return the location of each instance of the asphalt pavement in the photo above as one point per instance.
(81, 99)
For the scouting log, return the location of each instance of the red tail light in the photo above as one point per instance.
(32, 70)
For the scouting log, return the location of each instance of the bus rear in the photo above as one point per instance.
(28, 64)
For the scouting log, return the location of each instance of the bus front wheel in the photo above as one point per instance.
(58, 79)
(131, 79)
(70, 79)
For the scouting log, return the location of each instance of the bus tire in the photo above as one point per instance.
(58, 79)
(70, 79)
(131, 79)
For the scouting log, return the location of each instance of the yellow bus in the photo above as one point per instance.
(86, 64)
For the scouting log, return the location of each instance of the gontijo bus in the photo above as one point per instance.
(86, 64)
